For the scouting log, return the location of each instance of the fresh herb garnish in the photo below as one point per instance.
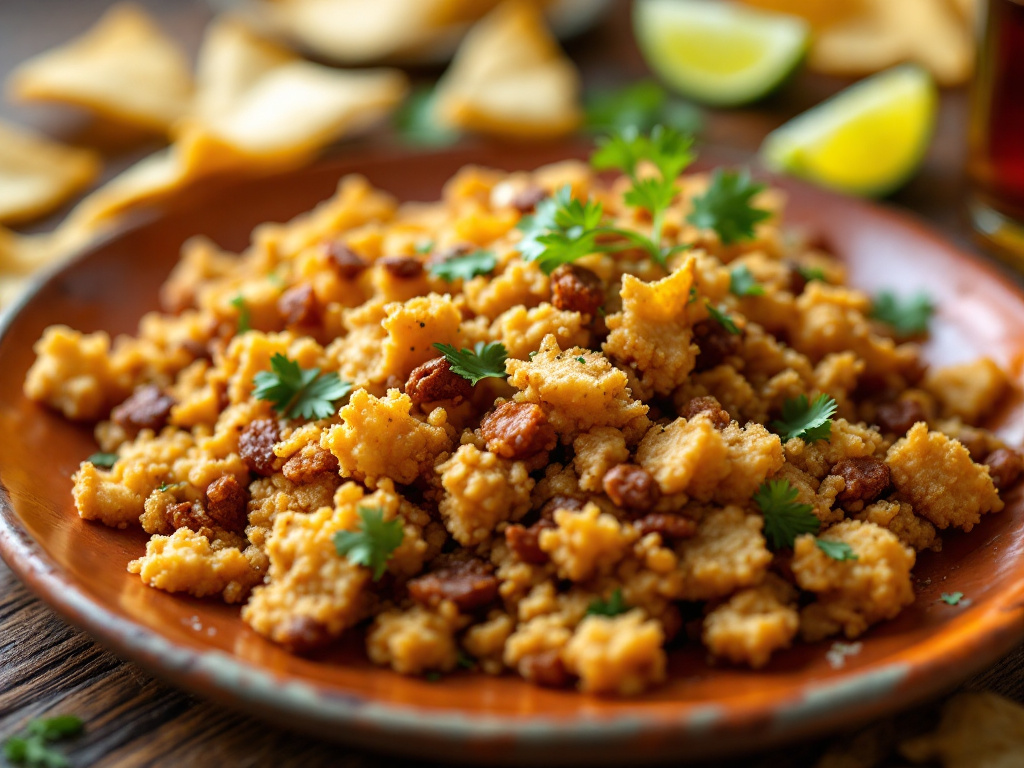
(164, 487)
(33, 749)
(811, 273)
(640, 106)
(743, 283)
(784, 517)
(465, 267)
(726, 208)
(464, 660)
(372, 543)
(561, 230)
(837, 550)
(723, 319)
(581, 360)
(244, 316)
(810, 421)
(952, 598)
(299, 393)
(104, 460)
(908, 317)
(425, 247)
(416, 124)
(613, 606)
(482, 362)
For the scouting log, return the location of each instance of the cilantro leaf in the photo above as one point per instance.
(557, 232)
(613, 606)
(416, 123)
(372, 543)
(482, 362)
(299, 393)
(784, 517)
(425, 247)
(811, 421)
(465, 267)
(908, 317)
(723, 319)
(952, 598)
(244, 316)
(33, 748)
(743, 283)
(104, 460)
(640, 106)
(837, 550)
(726, 208)
(164, 487)
(811, 273)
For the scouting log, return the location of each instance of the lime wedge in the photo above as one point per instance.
(866, 140)
(716, 52)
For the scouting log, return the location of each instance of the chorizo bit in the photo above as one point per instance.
(303, 469)
(631, 487)
(299, 306)
(345, 262)
(302, 634)
(256, 446)
(518, 430)
(545, 669)
(147, 408)
(191, 515)
(671, 527)
(1005, 465)
(525, 542)
(470, 584)
(561, 501)
(715, 343)
(434, 381)
(402, 267)
(227, 502)
(866, 478)
(576, 289)
(899, 416)
(709, 405)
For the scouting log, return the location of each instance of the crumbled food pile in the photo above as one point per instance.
(552, 424)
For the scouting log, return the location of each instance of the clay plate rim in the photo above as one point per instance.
(686, 730)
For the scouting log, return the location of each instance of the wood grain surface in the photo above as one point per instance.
(48, 667)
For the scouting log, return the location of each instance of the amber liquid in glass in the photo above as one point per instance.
(996, 162)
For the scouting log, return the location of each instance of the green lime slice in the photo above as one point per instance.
(866, 140)
(716, 52)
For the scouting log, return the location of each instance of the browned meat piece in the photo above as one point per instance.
(191, 515)
(715, 342)
(147, 408)
(434, 381)
(256, 446)
(631, 487)
(345, 262)
(402, 267)
(525, 201)
(525, 542)
(518, 430)
(899, 416)
(1005, 465)
(299, 306)
(561, 501)
(303, 634)
(304, 469)
(545, 669)
(671, 527)
(227, 502)
(866, 478)
(576, 289)
(709, 405)
(470, 584)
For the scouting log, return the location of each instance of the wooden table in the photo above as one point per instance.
(47, 667)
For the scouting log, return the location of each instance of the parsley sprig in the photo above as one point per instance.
(244, 315)
(952, 598)
(299, 393)
(372, 544)
(810, 421)
(722, 318)
(907, 316)
(743, 283)
(613, 606)
(103, 460)
(639, 105)
(837, 550)
(726, 206)
(484, 361)
(561, 230)
(465, 267)
(33, 748)
(784, 517)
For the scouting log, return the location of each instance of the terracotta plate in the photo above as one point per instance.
(79, 568)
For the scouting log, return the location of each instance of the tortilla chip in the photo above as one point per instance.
(510, 77)
(37, 175)
(977, 730)
(123, 68)
(288, 115)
